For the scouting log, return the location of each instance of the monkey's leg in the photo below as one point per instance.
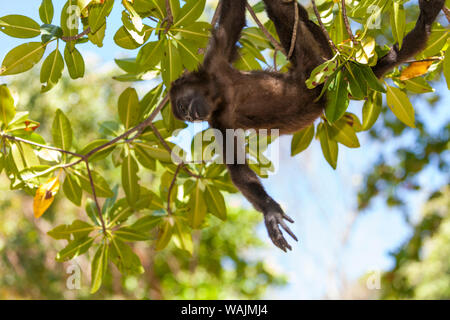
(222, 47)
(311, 46)
(415, 41)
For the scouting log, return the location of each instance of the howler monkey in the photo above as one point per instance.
(231, 99)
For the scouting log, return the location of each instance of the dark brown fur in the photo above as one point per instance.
(231, 99)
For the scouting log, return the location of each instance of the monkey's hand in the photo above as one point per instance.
(273, 220)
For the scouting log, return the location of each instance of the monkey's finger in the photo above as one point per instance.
(285, 216)
(288, 230)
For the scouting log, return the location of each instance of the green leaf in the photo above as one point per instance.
(182, 236)
(72, 189)
(7, 108)
(371, 79)
(22, 58)
(356, 86)
(75, 63)
(50, 32)
(447, 67)
(171, 64)
(197, 207)
(154, 151)
(301, 140)
(124, 39)
(46, 11)
(418, 85)
(164, 235)
(144, 158)
(371, 110)
(342, 132)
(98, 37)
(129, 108)
(19, 26)
(98, 14)
(124, 258)
(130, 179)
(74, 248)
(150, 55)
(436, 41)
(147, 223)
(190, 12)
(400, 105)
(51, 71)
(329, 147)
(99, 267)
(130, 234)
(100, 155)
(70, 21)
(338, 98)
(101, 186)
(62, 131)
(215, 202)
(398, 22)
(78, 229)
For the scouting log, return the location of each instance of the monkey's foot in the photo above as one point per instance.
(273, 221)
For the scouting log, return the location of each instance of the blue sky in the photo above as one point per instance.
(321, 200)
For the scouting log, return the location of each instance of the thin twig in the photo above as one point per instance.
(172, 184)
(275, 52)
(446, 12)
(294, 31)
(266, 32)
(169, 149)
(137, 128)
(424, 60)
(78, 36)
(324, 30)
(17, 139)
(169, 20)
(94, 194)
(347, 23)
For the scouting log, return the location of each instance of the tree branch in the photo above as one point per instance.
(266, 32)
(324, 30)
(94, 193)
(347, 23)
(78, 36)
(17, 139)
(172, 184)
(447, 13)
(168, 148)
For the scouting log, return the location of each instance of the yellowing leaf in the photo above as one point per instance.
(416, 69)
(44, 196)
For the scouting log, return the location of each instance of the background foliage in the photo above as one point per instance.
(154, 201)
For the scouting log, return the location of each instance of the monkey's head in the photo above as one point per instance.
(189, 97)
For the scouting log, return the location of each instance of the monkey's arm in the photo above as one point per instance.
(250, 186)
(248, 183)
(415, 41)
(222, 46)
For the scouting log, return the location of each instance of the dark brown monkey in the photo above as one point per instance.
(231, 99)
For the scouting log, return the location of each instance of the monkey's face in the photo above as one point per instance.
(188, 98)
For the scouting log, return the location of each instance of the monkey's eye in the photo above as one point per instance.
(181, 107)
